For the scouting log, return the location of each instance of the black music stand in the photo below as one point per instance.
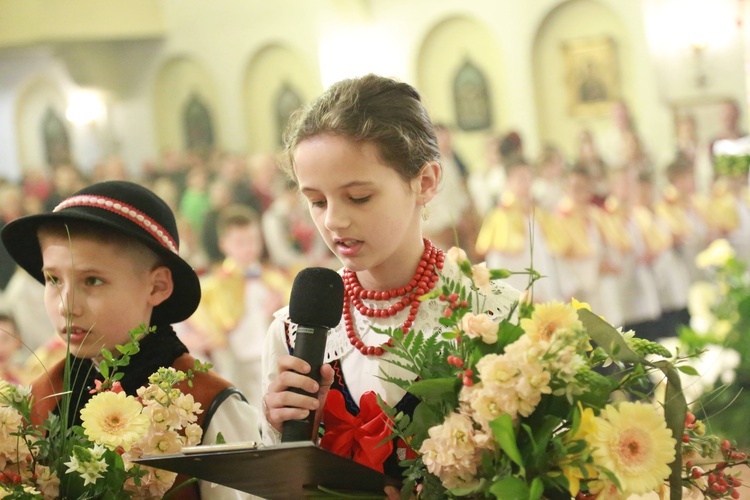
(283, 471)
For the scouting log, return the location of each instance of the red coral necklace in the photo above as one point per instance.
(423, 281)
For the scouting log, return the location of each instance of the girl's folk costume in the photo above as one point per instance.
(353, 424)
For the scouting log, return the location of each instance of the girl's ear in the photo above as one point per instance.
(161, 285)
(426, 183)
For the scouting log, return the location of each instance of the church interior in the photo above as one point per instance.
(120, 77)
(182, 94)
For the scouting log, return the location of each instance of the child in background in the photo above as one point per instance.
(10, 346)
(577, 265)
(548, 187)
(677, 208)
(626, 293)
(518, 234)
(108, 256)
(238, 302)
(292, 240)
(670, 271)
(365, 156)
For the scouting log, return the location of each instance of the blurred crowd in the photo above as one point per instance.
(607, 226)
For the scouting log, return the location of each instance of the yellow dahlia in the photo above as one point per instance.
(548, 318)
(633, 442)
(114, 419)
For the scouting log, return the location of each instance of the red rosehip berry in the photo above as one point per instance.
(689, 419)
(448, 312)
(455, 361)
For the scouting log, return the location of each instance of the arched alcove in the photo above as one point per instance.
(275, 79)
(581, 46)
(179, 82)
(459, 61)
(44, 136)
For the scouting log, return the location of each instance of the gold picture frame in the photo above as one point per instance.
(593, 80)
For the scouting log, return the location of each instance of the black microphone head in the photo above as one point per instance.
(317, 297)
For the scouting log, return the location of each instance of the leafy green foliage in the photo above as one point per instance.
(527, 457)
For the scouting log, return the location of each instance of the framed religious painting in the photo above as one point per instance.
(592, 76)
(471, 95)
(56, 139)
(198, 126)
(287, 102)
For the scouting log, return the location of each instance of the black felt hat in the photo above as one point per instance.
(130, 209)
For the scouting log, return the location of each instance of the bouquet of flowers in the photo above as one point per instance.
(551, 402)
(95, 460)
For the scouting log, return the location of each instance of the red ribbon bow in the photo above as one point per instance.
(357, 437)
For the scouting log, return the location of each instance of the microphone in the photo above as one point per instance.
(315, 305)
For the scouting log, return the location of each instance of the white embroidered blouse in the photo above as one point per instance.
(362, 372)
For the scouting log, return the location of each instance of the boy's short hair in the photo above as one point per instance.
(124, 208)
(237, 215)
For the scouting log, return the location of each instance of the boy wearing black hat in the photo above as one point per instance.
(108, 256)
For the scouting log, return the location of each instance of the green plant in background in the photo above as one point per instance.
(726, 406)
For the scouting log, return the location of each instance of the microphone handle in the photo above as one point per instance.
(310, 346)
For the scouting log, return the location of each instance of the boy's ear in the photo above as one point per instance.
(161, 285)
(427, 181)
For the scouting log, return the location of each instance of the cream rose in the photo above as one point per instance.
(480, 326)
(456, 255)
(481, 277)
